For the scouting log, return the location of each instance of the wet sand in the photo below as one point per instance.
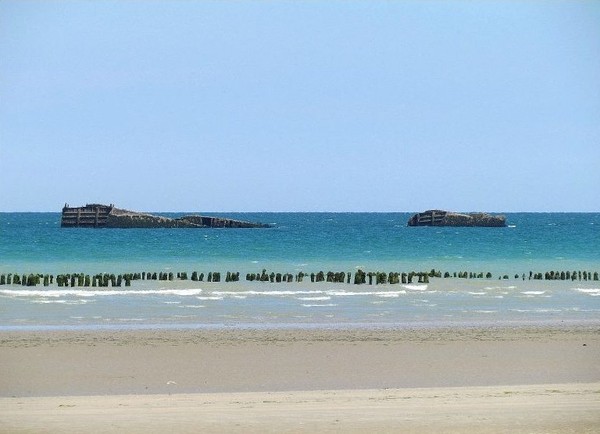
(468, 379)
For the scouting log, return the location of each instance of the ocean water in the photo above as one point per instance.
(307, 242)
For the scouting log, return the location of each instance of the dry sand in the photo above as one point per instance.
(449, 380)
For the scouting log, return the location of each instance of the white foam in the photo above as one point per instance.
(590, 291)
(67, 302)
(390, 294)
(209, 298)
(416, 287)
(268, 293)
(533, 292)
(96, 292)
(477, 293)
(314, 298)
(364, 293)
(320, 305)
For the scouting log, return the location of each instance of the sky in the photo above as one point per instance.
(223, 106)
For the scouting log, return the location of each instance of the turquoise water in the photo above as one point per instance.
(308, 242)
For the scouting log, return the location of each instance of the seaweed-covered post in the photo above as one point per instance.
(2, 279)
(359, 277)
(595, 275)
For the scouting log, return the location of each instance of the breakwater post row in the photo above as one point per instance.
(360, 277)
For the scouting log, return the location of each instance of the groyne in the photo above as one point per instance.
(108, 216)
(359, 277)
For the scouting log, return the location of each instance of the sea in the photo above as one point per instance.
(510, 295)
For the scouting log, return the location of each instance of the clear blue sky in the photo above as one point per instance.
(300, 106)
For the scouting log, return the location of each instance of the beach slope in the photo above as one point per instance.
(453, 380)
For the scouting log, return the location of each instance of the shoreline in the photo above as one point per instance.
(233, 360)
(304, 326)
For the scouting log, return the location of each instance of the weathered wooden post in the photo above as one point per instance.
(320, 276)
(595, 275)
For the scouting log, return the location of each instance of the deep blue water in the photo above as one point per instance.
(36, 240)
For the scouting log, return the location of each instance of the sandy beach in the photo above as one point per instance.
(454, 380)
